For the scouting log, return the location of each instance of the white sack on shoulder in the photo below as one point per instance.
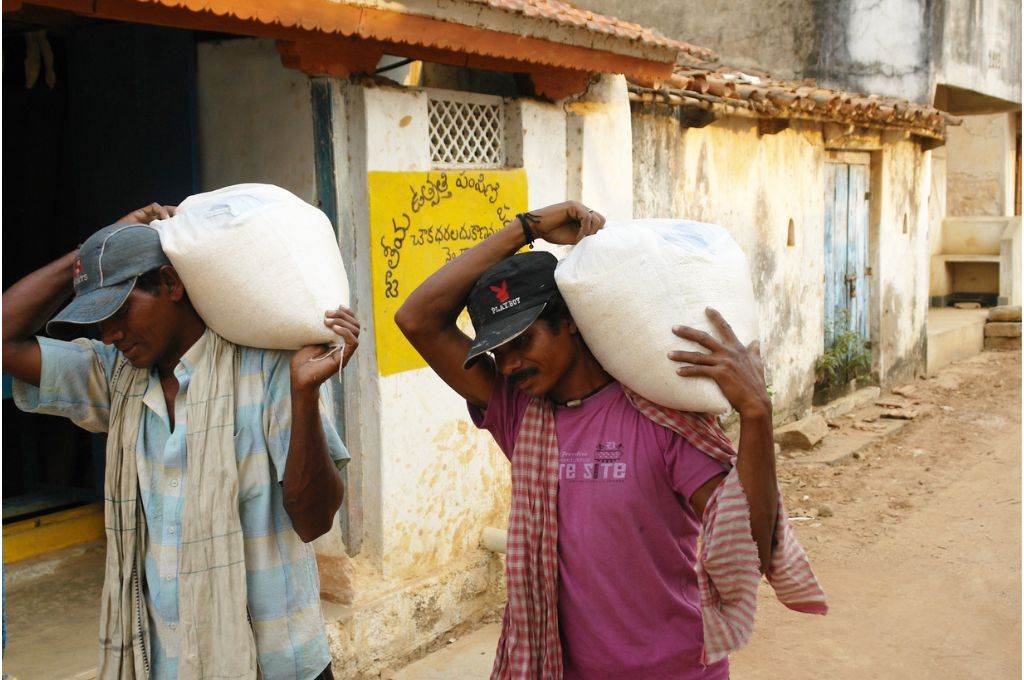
(630, 283)
(261, 266)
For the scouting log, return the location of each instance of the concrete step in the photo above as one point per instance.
(468, 658)
(1004, 313)
(1002, 329)
(997, 343)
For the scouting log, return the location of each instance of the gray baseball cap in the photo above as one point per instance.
(108, 265)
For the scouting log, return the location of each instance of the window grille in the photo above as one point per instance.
(466, 131)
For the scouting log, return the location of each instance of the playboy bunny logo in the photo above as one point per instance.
(500, 292)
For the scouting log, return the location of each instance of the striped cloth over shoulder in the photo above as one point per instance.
(728, 567)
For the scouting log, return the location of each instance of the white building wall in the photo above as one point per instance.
(255, 120)
(600, 139)
(540, 149)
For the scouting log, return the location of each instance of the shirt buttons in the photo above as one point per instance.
(171, 530)
(174, 482)
(172, 626)
(168, 578)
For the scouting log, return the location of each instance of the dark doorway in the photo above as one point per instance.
(98, 119)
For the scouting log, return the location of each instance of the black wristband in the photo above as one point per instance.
(526, 219)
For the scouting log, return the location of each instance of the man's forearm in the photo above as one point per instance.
(27, 305)
(313, 489)
(30, 302)
(755, 463)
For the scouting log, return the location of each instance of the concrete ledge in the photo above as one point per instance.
(954, 335)
(53, 532)
(973, 235)
(851, 402)
(957, 258)
(836, 450)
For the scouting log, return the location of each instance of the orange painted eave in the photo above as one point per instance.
(320, 20)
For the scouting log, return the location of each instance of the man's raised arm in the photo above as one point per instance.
(27, 306)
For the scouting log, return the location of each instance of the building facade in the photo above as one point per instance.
(419, 129)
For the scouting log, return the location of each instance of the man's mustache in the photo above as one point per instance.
(522, 375)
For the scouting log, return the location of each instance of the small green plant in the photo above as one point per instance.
(847, 359)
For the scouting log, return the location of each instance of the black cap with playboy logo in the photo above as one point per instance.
(508, 298)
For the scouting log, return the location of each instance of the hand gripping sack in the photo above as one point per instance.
(261, 266)
(630, 283)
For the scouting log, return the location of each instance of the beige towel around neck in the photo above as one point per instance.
(216, 636)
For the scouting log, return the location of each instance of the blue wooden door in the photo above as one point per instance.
(847, 183)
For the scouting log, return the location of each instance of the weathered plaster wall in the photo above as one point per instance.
(903, 257)
(428, 481)
(776, 35)
(753, 185)
(876, 46)
(423, 482)
(980, 166)
(979, 42)
(940, 283)
(255, 121)
(900, 48)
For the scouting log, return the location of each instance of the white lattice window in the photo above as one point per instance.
(466, 130)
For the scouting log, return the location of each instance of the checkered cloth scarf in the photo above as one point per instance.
(728, 566)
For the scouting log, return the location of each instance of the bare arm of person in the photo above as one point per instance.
(739, 372)
(312, 488)
(27, 306)
(428, 316)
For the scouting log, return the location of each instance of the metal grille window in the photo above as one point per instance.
(466, 130)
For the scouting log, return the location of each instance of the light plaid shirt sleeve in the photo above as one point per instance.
(74, 383)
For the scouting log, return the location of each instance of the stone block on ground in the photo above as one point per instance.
(843, 405)
(908, 391)
(1002, 343)
(1005, 313)
(802, 434)
(1002, 329)
(901, 414)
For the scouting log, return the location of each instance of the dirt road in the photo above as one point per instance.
(919, 550)
(921, 559)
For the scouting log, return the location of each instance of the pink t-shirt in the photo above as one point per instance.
(628, 600)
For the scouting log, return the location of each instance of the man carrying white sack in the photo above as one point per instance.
(222, 462)
(609, 491)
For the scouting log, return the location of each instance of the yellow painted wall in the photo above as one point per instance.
(418, 222)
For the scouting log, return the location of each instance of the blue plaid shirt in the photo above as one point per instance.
(281, 572)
